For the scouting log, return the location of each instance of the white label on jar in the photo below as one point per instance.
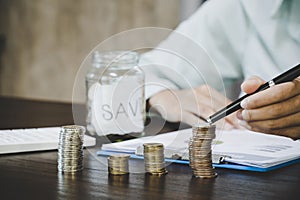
(117, 108)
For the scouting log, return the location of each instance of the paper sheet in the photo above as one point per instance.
(237, 146)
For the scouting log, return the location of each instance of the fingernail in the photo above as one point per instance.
(244, 124)
(252, 81)
(245, 115)
(244, 103)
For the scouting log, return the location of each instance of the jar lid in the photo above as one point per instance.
(114, 58)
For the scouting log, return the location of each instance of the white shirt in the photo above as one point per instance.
(240, 38)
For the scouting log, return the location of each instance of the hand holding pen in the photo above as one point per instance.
(269, 107)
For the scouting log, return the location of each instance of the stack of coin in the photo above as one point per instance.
(154, 158)
(118, 164)
(70, 148)
(200, 150)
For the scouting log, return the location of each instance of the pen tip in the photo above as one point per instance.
(209, 121)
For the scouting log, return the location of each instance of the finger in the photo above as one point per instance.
(291, 132)
(291, 106)
(190, 118)
(233, 121)
(188, 100)
(273, 124)
(201, 108)
(206, 101)
(213, 98)
(199, 104)
(202, 111)
(251, 84)
(207, 94)
(221, 101)
(272, 95)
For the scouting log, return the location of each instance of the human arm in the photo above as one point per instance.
(204, 50)
(189, 105)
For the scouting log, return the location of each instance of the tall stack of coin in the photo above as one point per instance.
(118, 164)
(200, 150)
(70, 148)
(154, 158)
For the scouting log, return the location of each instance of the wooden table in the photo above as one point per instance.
(34, 175)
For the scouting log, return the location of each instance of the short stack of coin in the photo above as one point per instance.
(154, 158)
(118, 164)
(70, 148)
(200, 150)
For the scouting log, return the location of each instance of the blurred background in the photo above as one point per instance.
(43, 42)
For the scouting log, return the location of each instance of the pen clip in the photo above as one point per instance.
(219, 158)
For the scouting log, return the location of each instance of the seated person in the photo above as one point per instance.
(251, 40)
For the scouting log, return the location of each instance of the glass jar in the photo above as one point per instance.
(115, 94)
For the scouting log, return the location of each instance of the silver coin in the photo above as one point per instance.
(70, 148)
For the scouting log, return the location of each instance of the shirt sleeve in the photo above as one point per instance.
(204, 49)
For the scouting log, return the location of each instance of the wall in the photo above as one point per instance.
(43, 42)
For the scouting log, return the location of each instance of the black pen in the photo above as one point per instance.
(287, 76)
